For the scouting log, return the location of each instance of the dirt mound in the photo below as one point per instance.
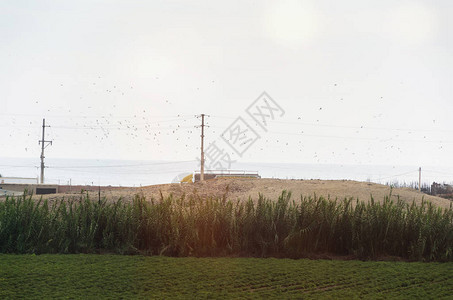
(238, 188)
(243, 188)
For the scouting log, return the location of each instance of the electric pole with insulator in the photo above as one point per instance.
(44, 145)
(202, 147)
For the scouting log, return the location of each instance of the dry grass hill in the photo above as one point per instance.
(241, 188)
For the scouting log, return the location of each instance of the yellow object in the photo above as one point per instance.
(188, 178)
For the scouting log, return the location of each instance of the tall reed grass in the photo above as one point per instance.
(192, 226)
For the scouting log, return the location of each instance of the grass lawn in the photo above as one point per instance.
(115, 276)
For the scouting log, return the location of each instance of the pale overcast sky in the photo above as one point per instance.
(360, 82)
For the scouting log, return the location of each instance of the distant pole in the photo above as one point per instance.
(420, 179)
(42, 149)
(44, 144)
(202, 148)
(202, 145)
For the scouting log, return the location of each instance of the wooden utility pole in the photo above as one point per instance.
(202, 148)
(44, 144)
(420, 179)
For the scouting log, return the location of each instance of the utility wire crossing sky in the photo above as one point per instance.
(360, 82)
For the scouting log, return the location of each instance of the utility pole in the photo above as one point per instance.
(420, 179)
(44, 145)
(202, 147)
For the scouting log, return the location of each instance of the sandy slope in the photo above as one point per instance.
(272, 188)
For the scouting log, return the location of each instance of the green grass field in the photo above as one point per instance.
(115, 276)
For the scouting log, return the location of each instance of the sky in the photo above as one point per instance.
(348, 82)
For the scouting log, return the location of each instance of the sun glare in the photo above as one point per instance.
(291, 23)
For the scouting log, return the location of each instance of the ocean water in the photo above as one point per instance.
(141, 173)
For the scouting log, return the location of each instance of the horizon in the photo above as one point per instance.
(150, 172)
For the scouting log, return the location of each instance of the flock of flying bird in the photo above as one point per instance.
(148, 133)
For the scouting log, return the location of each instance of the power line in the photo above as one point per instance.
(393, 176)
(347, 137)
(188, 117)
(105, 124)
(132, 128)
(95, 116)
(342, 126)
(121, 166)
(124, 172)
(439, 172)
(9, 166)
